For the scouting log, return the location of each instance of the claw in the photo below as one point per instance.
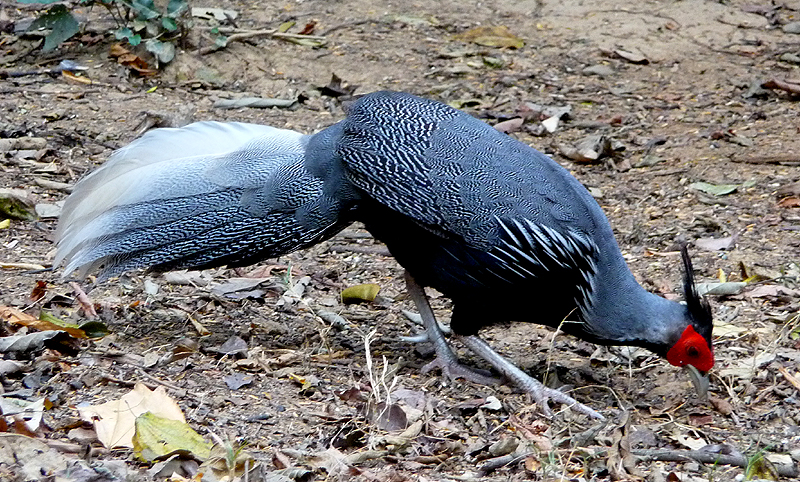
(452, 369)
(447, 361)
(541, 394)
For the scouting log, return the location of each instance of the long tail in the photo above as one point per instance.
(208, 194)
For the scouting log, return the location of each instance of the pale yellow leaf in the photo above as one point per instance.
(115, 421)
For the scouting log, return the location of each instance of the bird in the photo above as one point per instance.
(504, 231)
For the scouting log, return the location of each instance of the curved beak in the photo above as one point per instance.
(699, 380)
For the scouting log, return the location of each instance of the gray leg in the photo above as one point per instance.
(446, 360)
(421, 337)
(539, 392)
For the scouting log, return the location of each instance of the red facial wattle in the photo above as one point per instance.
(691, 349)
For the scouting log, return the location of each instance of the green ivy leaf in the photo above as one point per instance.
(125, 33)
(61, 23)
(176, 7)
(169, 24)
(145, 9)
(164, 51)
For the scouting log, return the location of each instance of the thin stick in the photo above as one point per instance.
(236, 37)
(709, 458)
(789, 377)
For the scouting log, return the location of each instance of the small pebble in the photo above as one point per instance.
(504, 446)
(793, 27)
(600, 70)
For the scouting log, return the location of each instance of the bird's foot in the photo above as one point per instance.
(452, 369)
(542, 395)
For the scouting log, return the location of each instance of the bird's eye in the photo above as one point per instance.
(693, 352)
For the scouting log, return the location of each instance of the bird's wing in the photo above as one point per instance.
(528, 250)
(454, 173)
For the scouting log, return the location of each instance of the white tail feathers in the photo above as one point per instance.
(165, 164)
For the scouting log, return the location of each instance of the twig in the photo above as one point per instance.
(345, 25)
(70, 448)
(166, 384)
(239, 36)
(786, 159)
(791, 87)
(667, 172)
(497, 462)
(124, 383)
(709, 458)
(790, 378)
(379, 250)
(33, 266)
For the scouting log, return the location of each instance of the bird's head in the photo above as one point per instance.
(693, 349)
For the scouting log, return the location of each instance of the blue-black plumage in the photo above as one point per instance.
(501, 229)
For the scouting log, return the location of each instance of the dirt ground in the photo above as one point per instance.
(682, 90)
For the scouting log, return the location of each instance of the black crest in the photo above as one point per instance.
(698, 307)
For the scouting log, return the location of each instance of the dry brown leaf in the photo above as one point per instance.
(509, 126)
(115, 421)
(790, 202)
(621, 463)
(498, 36)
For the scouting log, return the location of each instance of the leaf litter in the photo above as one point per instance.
(280, 387)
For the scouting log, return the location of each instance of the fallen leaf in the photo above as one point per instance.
(156, 437)
(791, 87)
(511, 125)
(700, 420)
(492, 403)
(714, 189)
(721, 289)
(721, 405)
(746, 368)
(499, 37)
(358, 293)
(337, 88)
(30, 458)
(532, 464)
(334, 463)
(17, 204)
(759, 468)
(621, 463)
(38, 292)
(233, 346)
(387, 417)
(132, 61)
(27, 415)
(229, 461)
(219, 14)
(294, 294)
(632, 57)
(28, 343)
(687, 441)
(236, 381)
(772, 291)
(115, 420)
(309, 28)
(234, 285)
(715, 244)
(723, 330)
